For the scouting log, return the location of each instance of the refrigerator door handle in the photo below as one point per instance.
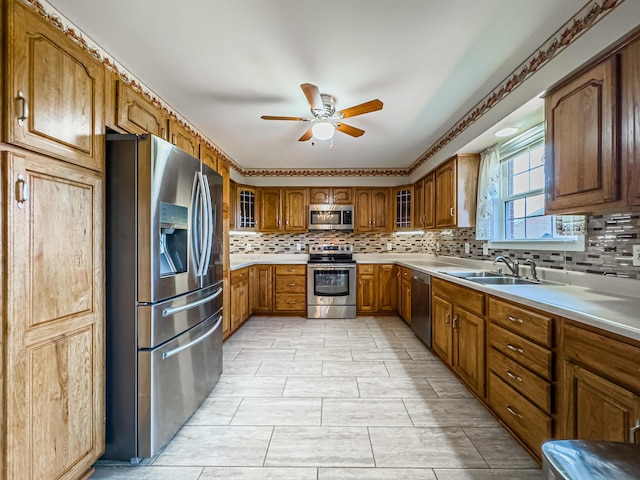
(204, 225)
(196, 219)
(167, 312)
(193, 342)
(210, 224)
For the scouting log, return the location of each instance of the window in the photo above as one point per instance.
(520, 221)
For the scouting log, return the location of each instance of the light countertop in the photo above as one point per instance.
(612, 304)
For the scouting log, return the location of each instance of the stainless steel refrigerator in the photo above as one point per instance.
(164, 291)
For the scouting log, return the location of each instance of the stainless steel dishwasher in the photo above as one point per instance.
(421, 306)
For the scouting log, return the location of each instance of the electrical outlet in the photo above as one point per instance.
(636, 255)
(247, 247)
(389, 246)
(299, 246)
(485, 249)
(467, 247)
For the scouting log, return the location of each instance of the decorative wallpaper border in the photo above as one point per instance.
(582, 21)
(588, 16)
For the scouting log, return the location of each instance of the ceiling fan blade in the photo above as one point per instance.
(366, 107)
(297, 119)
(305, 136)
(313, 96)
(349, 130)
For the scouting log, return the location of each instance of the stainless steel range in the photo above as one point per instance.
(331, 282)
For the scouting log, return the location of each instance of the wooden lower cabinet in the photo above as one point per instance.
(599, 386)
(52, 318)
(520, 370)
(459, 331)
(239, 297)
(375, 289)
(260, 289)
(405, 295)
(290, 289)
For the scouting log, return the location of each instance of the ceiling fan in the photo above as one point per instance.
(325, 118)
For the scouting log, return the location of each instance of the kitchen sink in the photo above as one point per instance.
(493, 278)
(471, 275)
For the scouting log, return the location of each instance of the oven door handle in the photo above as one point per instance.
(331, 267)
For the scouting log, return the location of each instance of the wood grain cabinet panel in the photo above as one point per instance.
(442, 337)
(429, 201)
(183, 139)
(55, 313)
(581, 161)
(455, 187)
(371, 210)
(598, 385)
(137, 115)
(630, 119)
(56, 92)
(290, 289)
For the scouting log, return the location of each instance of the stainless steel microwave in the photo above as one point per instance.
(330, 217)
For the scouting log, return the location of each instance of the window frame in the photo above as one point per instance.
(529, 140)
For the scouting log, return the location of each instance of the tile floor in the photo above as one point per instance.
(335, 399)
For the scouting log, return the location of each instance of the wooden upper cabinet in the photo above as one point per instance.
(418, 203)
(183, 138)
(137, 115)
(270, 210)
(455, 190)
(404, 202)
(429, 201)
(208, 157)
(630, 118)
(245, 208)
(445, 186)
(56, 92)
(371, 210)
(329, 195)
(581, 162)
(295, 208)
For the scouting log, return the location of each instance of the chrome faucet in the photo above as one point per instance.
(534, 274)
(512, 264)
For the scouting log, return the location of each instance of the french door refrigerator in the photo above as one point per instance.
(164, 292)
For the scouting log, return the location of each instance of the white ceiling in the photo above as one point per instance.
(223, 63)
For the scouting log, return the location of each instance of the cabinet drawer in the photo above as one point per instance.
(526, 353)
(530, 424)
(291, 269)
(291, 284)
(524, 322)
(291, 302)
(470, 299)
(515, 375)
(238, 276)
(365, 269)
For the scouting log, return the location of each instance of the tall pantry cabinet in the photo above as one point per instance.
(52, 196)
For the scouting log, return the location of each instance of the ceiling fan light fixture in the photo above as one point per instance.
(323, 129)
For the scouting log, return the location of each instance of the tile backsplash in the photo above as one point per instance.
(609, 241)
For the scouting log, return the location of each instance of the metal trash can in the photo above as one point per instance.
(580, 460)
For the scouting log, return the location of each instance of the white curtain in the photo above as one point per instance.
(488, 191)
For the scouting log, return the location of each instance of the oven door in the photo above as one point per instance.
(333, 284)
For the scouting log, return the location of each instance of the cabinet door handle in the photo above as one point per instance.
(163, 133)
(22, 191)
(291, 284)
(455, 322)
(515, 349)
(513, 377)
(515, 320)
(633, 430)
(291, 302)
(447, 318)
(451, 211)
(25, 108)
(514, 413)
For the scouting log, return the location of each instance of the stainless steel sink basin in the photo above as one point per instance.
(504, 280)
(471, 275)
(493, 278)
